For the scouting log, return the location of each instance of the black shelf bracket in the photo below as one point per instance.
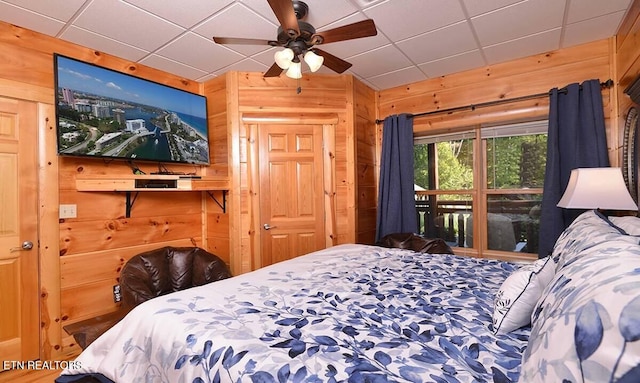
(222, 205)
(131, 199)
(129, 203)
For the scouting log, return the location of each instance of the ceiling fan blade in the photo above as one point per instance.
(242, 41)
(283, 9)
(357, 30)
(274, 71)
(332, 62)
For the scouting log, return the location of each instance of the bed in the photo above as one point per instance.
(359, 313)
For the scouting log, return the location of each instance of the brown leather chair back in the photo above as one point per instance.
(416, 243)
(166, 270)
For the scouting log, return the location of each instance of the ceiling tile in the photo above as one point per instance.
(527, 46)
(198, 52)
(518, 20)
(379, 61)
(262, 8)
(476, 7)
(248, 65)
(31, 20)
(189, 13)
(224, 24)
(123, 22)
(452, 64)
(171, 66)
(400, 77)
(440, 43)
(407, 18)
(89, 39)
(580, 10)
(592, 29)
(62, 10)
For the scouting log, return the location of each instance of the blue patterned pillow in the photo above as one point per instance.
(630, 224)
(514, 302)
(588, 229)
(586, 326)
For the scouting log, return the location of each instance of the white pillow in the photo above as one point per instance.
(586, 325)
(519, 293)
(630, 224)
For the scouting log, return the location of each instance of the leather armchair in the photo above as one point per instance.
(416, 243)
(149, 275)
(166, 270)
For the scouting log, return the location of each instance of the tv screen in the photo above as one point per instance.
(104, 113)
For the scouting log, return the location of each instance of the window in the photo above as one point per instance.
(492, 175)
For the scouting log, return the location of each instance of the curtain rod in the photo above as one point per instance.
(603, 85)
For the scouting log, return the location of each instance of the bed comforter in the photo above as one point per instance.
(351, 313)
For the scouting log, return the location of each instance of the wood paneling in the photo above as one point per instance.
(531, 75)
(100, 237)
(366, 168)
(250, 94)
(627, 66)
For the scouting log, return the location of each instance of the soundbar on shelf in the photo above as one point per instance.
(150, 183)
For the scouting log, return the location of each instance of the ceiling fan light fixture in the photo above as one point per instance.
(295, 70)
(284, 58)
(313, 60)
(298, 37)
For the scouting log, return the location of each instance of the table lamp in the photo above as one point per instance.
(597, 188)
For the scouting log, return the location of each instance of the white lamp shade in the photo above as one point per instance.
(295, 70)
(283, 58)
(597, 188)
(313, 60)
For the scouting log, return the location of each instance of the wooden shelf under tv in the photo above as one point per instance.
(153, 183)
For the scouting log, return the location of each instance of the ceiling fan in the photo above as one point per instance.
(300, 38)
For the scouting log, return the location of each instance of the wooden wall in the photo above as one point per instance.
(216, 222)
(80, 258)
(250, 94)
(627, 62)
(517, 78)
(366, 167)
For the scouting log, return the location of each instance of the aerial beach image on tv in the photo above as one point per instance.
(105, 113)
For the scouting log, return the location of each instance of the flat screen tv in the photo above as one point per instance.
(103, 113)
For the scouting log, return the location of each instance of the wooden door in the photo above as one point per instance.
(291, 189)
(19, 313)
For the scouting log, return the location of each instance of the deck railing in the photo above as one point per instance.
(450, 220)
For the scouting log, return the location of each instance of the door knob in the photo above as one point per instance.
(268, 227)
(26, 245)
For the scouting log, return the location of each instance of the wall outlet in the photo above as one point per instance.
(117, 297)
(68, 211)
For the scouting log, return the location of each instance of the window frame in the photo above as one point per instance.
(480, 192)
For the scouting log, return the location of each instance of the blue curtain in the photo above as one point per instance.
(576, 139)
(396, 197)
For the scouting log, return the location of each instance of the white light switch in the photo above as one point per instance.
(68, 211)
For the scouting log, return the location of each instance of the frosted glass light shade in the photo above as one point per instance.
(295, 70)
(597, 188)
(313, 60)
(283, 58)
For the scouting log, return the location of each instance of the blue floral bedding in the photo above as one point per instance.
(351, 313)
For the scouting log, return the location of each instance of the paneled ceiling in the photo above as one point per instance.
(416, 40)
